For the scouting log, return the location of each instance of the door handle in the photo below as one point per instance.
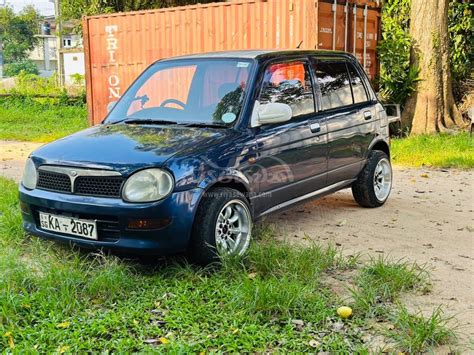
(367, 115)
(315, 127)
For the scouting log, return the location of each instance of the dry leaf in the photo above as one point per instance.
(62, 349)
(136, 322)
(63, 325)
(11, 343)
(164, 340)
(252, 275)
(342, 223)
(424, 176)
(314, 343)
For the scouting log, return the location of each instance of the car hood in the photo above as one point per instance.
(127, 147)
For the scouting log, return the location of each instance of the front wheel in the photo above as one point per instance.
(374, 183)
(222, 226)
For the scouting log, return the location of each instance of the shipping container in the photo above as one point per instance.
(118, 47)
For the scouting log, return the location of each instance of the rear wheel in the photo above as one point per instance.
(374, 183)
(222, 226)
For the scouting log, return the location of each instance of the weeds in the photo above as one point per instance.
(381, 281)
(415, 333)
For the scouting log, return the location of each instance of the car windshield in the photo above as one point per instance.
(202, 92)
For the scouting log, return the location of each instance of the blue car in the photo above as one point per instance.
(201, 146)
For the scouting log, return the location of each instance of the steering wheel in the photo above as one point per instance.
(173, 101)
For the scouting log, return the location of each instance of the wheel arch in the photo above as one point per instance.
(380, 145)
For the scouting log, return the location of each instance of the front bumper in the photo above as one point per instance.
(112, 216)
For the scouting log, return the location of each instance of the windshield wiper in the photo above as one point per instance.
(203, 124)
(146, 121)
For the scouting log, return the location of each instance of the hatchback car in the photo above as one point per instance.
(201, 146)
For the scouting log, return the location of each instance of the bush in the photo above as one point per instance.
(397, 78)
(25, 66)
(460, 24)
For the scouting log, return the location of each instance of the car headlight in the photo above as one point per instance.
(29, 175)
(148, 185)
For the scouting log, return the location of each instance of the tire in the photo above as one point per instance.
(221, 214)
(374, 183)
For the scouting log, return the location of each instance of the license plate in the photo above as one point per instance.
(68, 225)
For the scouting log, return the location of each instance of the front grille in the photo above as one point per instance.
(89, 182)
(98, 186)
(48, 180)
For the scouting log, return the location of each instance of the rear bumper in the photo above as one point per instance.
(112, 216)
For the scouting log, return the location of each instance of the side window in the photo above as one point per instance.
(333, 80)
(289, 83)
(358, 88)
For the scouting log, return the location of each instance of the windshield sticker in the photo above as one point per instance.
(242, 65)
(228, 117)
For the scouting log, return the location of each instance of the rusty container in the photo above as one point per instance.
(118, 47)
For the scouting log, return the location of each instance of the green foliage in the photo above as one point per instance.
(17, 33)
(461, 38)
(397, 77)
(74, 9)
(23, 67)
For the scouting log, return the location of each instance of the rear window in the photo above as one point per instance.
(334, 82)
(358, 88)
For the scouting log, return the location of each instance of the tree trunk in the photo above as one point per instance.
(431, 108)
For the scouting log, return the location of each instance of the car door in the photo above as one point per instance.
(292, 156)
(349, 116)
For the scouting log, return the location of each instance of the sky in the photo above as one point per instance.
(45, 7)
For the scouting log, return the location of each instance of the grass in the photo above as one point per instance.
(39, 120)
(441, 151)
(415, 333)
(381, 281)
(58, 299)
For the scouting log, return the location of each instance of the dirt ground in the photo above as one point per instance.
(429, 218)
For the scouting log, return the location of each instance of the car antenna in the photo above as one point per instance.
(299, 45)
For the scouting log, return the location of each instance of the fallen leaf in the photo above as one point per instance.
(297, 322)
(62, 349)
(314, 343)
(342, 223)
(424, 176)
(164, 340)
(11, 343)
(252, 275)
(136, 322)
(63, 325)
(152, 341)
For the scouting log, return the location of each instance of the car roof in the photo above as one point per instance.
(262, 54)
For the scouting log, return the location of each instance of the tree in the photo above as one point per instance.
(75, 9)
(431, 108)
(17, 32)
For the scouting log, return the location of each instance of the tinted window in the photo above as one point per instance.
(289, 83)
(333, 80)
(358, 89)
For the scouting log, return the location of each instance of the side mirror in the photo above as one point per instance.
(271, 113)
(111, 105)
